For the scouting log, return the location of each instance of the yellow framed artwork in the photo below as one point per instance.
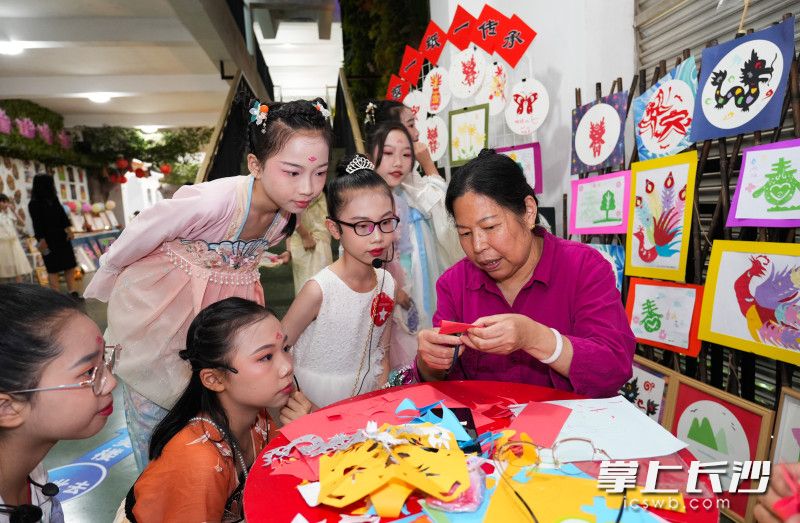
(752, 298)
(661, 204)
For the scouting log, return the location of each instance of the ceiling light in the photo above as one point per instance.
(11, 48)
(148, 129)
(99, 98)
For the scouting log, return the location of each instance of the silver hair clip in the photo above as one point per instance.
(357, 163)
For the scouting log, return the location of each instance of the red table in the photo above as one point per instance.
(274, 498)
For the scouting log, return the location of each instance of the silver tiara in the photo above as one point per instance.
(357, 163)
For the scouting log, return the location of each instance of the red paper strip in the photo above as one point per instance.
(454, 327)
(411, 65)
(542, 422)
(398, 89)
(514, 40)
(461, 28)
(432, 43)
(488, 28)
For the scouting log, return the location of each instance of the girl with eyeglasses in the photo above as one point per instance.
(55, 383)
(339, 321)
(203, 449)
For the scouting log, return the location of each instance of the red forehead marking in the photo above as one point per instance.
(312, 158)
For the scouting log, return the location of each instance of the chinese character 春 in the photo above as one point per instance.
(61, 483)
(752, 470)
(512, 39)
(488, 28)
(616, 476)
(651, 483)
(713, 469)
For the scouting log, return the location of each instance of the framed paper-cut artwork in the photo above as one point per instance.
(786, 435)
(648, 389)
(753, 299)
(600, 204)
(598, 138)
(721, 427)
(662, 196)
(529, 157)
(615, 256)
(743, 83)
(665, 314)
(768, 190)
(468, 133)
(662, 115)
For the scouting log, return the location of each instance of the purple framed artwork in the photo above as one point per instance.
(768, 190)
(598, 134)
(529, 157)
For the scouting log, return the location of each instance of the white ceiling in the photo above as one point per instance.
(143, 53)
(300, 63)
(136, 49)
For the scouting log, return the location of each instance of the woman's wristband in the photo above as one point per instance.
(559, 347)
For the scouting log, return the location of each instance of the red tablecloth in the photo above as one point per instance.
(274, 498)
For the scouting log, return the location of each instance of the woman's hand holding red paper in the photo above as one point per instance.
(436, 350)
(502, 334)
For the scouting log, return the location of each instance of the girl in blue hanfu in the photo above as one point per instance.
(200, 247)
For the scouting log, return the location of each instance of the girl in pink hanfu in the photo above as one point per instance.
(200, 247)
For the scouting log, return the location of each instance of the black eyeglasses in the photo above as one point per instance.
(366, 227)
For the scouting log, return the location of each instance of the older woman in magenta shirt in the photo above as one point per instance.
(548, 309)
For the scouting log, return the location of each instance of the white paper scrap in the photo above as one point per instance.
(619, 428)
(310, 493)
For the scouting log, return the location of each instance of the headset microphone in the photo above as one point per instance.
(29, 513)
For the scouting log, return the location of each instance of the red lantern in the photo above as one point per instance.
(122, 163)
(123, 179)
(141, 173)
(165, 168)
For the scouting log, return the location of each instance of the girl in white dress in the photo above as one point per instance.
(340, 321)
(418, 265)
(13, 262)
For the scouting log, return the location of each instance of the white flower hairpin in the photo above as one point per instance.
(322, 109)
(357, 163)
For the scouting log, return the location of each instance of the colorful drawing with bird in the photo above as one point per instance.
(661, 205)
(660, 217)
